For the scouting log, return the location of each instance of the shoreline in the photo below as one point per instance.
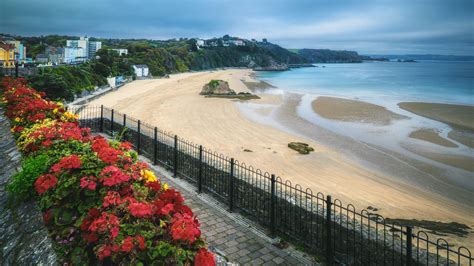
(219, 124)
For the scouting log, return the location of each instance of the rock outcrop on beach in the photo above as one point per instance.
(217, 87)
(221, 89)
(300, 147)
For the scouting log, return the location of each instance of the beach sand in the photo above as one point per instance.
(430, 135)
(457, 116)
(175, 105)
(353, 111)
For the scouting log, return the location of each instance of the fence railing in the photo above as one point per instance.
(324, 226)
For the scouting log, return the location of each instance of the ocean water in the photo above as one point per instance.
(385, 84)
(427, 81)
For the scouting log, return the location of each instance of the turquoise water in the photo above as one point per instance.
(429, 81)
(379, 147)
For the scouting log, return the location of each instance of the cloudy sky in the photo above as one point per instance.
(370, 27)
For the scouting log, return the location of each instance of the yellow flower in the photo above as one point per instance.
(18, 119)
(165, 186)
(162, 224)
(55, 111)
(149, 176)
(70, 116)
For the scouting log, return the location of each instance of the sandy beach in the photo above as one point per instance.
(175, 105)
(353, 111)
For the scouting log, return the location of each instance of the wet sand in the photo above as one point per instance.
(430, 135)
(457, 116)
(462, 136)
(353, 111)
(455, 160)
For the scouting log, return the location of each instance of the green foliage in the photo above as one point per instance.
(64, 82)
(329, 56)
(214, 83)
(21, 185)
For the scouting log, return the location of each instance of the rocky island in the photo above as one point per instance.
(221, 89)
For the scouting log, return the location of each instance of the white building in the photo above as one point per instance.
(140, 70)
(237, 42)
(90, 47)
(74, 54)
(200, 42)
(93, 48)
(121, 51)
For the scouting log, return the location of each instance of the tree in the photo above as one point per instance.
(102, 69)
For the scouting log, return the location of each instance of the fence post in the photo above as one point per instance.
(175, 168)
(200, 170)
(16, 70)
(138, 137)
(112, 123)
(124, 137)
(155, 148)
(272, 207)
(409, 245)
(231, 185)
(328, 230)
(101, 118)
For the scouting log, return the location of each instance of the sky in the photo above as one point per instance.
(369, 27)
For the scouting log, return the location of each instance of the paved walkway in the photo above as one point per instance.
(230, 234)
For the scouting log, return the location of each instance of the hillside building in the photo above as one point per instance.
(121, 51)
(20, 51)
(141, 70)
(7, 55)
(90, 47)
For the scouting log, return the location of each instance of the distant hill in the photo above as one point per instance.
(329, 56)
(427, 57)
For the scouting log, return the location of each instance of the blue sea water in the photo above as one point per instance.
(427, 81)
(381, 83)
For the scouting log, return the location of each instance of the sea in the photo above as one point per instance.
(425, 81)
(385, 84)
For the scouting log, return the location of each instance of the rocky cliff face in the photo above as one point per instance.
(23, 237)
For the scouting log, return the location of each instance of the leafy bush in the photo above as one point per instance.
(21, 184)
(100, 204)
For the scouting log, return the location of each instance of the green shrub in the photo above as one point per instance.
(21, 184)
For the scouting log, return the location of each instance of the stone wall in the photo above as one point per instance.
(23, 237)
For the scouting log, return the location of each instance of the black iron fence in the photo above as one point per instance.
(335, 232)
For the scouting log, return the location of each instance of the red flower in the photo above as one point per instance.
(45, 182)
(141, 242)
(204, 258)
(90, 237)
(109, 155)
(185, 228)
(171, 196)
(68, 162)
(104, 251)
(106, 223)
(155, 185)
(47, 216)
(183, 209)
(88, 182)
(127, 244)
(112, 175)
(139, 209)
(98, 143)
(112, 198)
(126, 145)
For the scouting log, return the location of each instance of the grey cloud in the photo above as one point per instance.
(405, 26)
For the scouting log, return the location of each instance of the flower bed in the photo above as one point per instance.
(100, 204)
